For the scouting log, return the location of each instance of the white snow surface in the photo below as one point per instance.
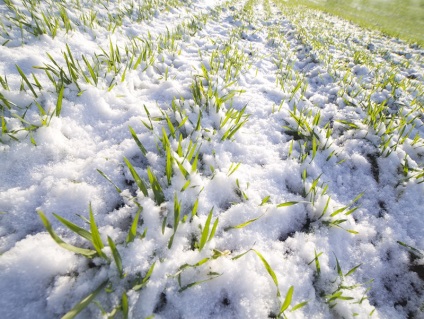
(277, 46)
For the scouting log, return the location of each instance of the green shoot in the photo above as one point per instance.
(137, 179)
(286, 204)
(269, 270)
(84, 303)
(137, 141)
(109, 180)
(133, 230)
(85, 252)
(116, 257)
(59, 101)
(26, 80)
(207, 236)
(242, 225)
(157, 189)
(143, 282)
(97, 240)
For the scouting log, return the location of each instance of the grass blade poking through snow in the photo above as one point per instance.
(286, 204)
(75, 228)
(59, 101)
(177, 211)
(116, 257)
(84, 303)
(287, 300)
(85, 252)
(124, 305)
(26, 80)
(133, 230)
(242, 225)
(299, 305)
(194, 209)
(97, 240)
(269, 269)
(110, 181)
(207, 236)
(137, 179)
(265, 200)
(137, 141)
(317, 264)
(215, 275)
(412, 250)
(157, 189)
(143, 282)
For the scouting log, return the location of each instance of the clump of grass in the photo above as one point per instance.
(98, 250)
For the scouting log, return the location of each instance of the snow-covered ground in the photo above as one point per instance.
(280, 149)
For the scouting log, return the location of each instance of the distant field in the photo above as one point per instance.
(401, 18)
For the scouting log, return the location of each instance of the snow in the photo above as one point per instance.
(279, 48)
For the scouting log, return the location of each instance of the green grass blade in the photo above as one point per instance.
(198, 283)
(357, 198)
(59, 101)
(168, 168)
(240, 255)
(213, 231)
(37, 83)
(325, 208)
(317, 263)
(177, 210)
(338, 211)
(6, 102)
(314, 147)
(232, 169)
(124, 305)
(286, 204)
(350, 211)
(269, 270)
(287, 300)
(171, 241)
(350, 124)
(195, 207)
(170, 126)
(3, 126)
(352, 270)
(75, 228)
(182, 169)
(242, 225)
(85, 252)
(265, 200)
(133, 230)
(90, 70)
(186, 185)
(339, 269)
(116, 256)
(84, 303)
(137, 178)
(40, 108)
(26, 80)
(157, 189)
(194, 164)
(411, 249)
(299, 305)
(137, 141)
(205, 231)
(145, 279)
(110, 181)
(97, 240)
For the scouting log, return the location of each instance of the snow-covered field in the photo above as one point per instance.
(207, 159)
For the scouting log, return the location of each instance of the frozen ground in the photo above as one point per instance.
(300, 132)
